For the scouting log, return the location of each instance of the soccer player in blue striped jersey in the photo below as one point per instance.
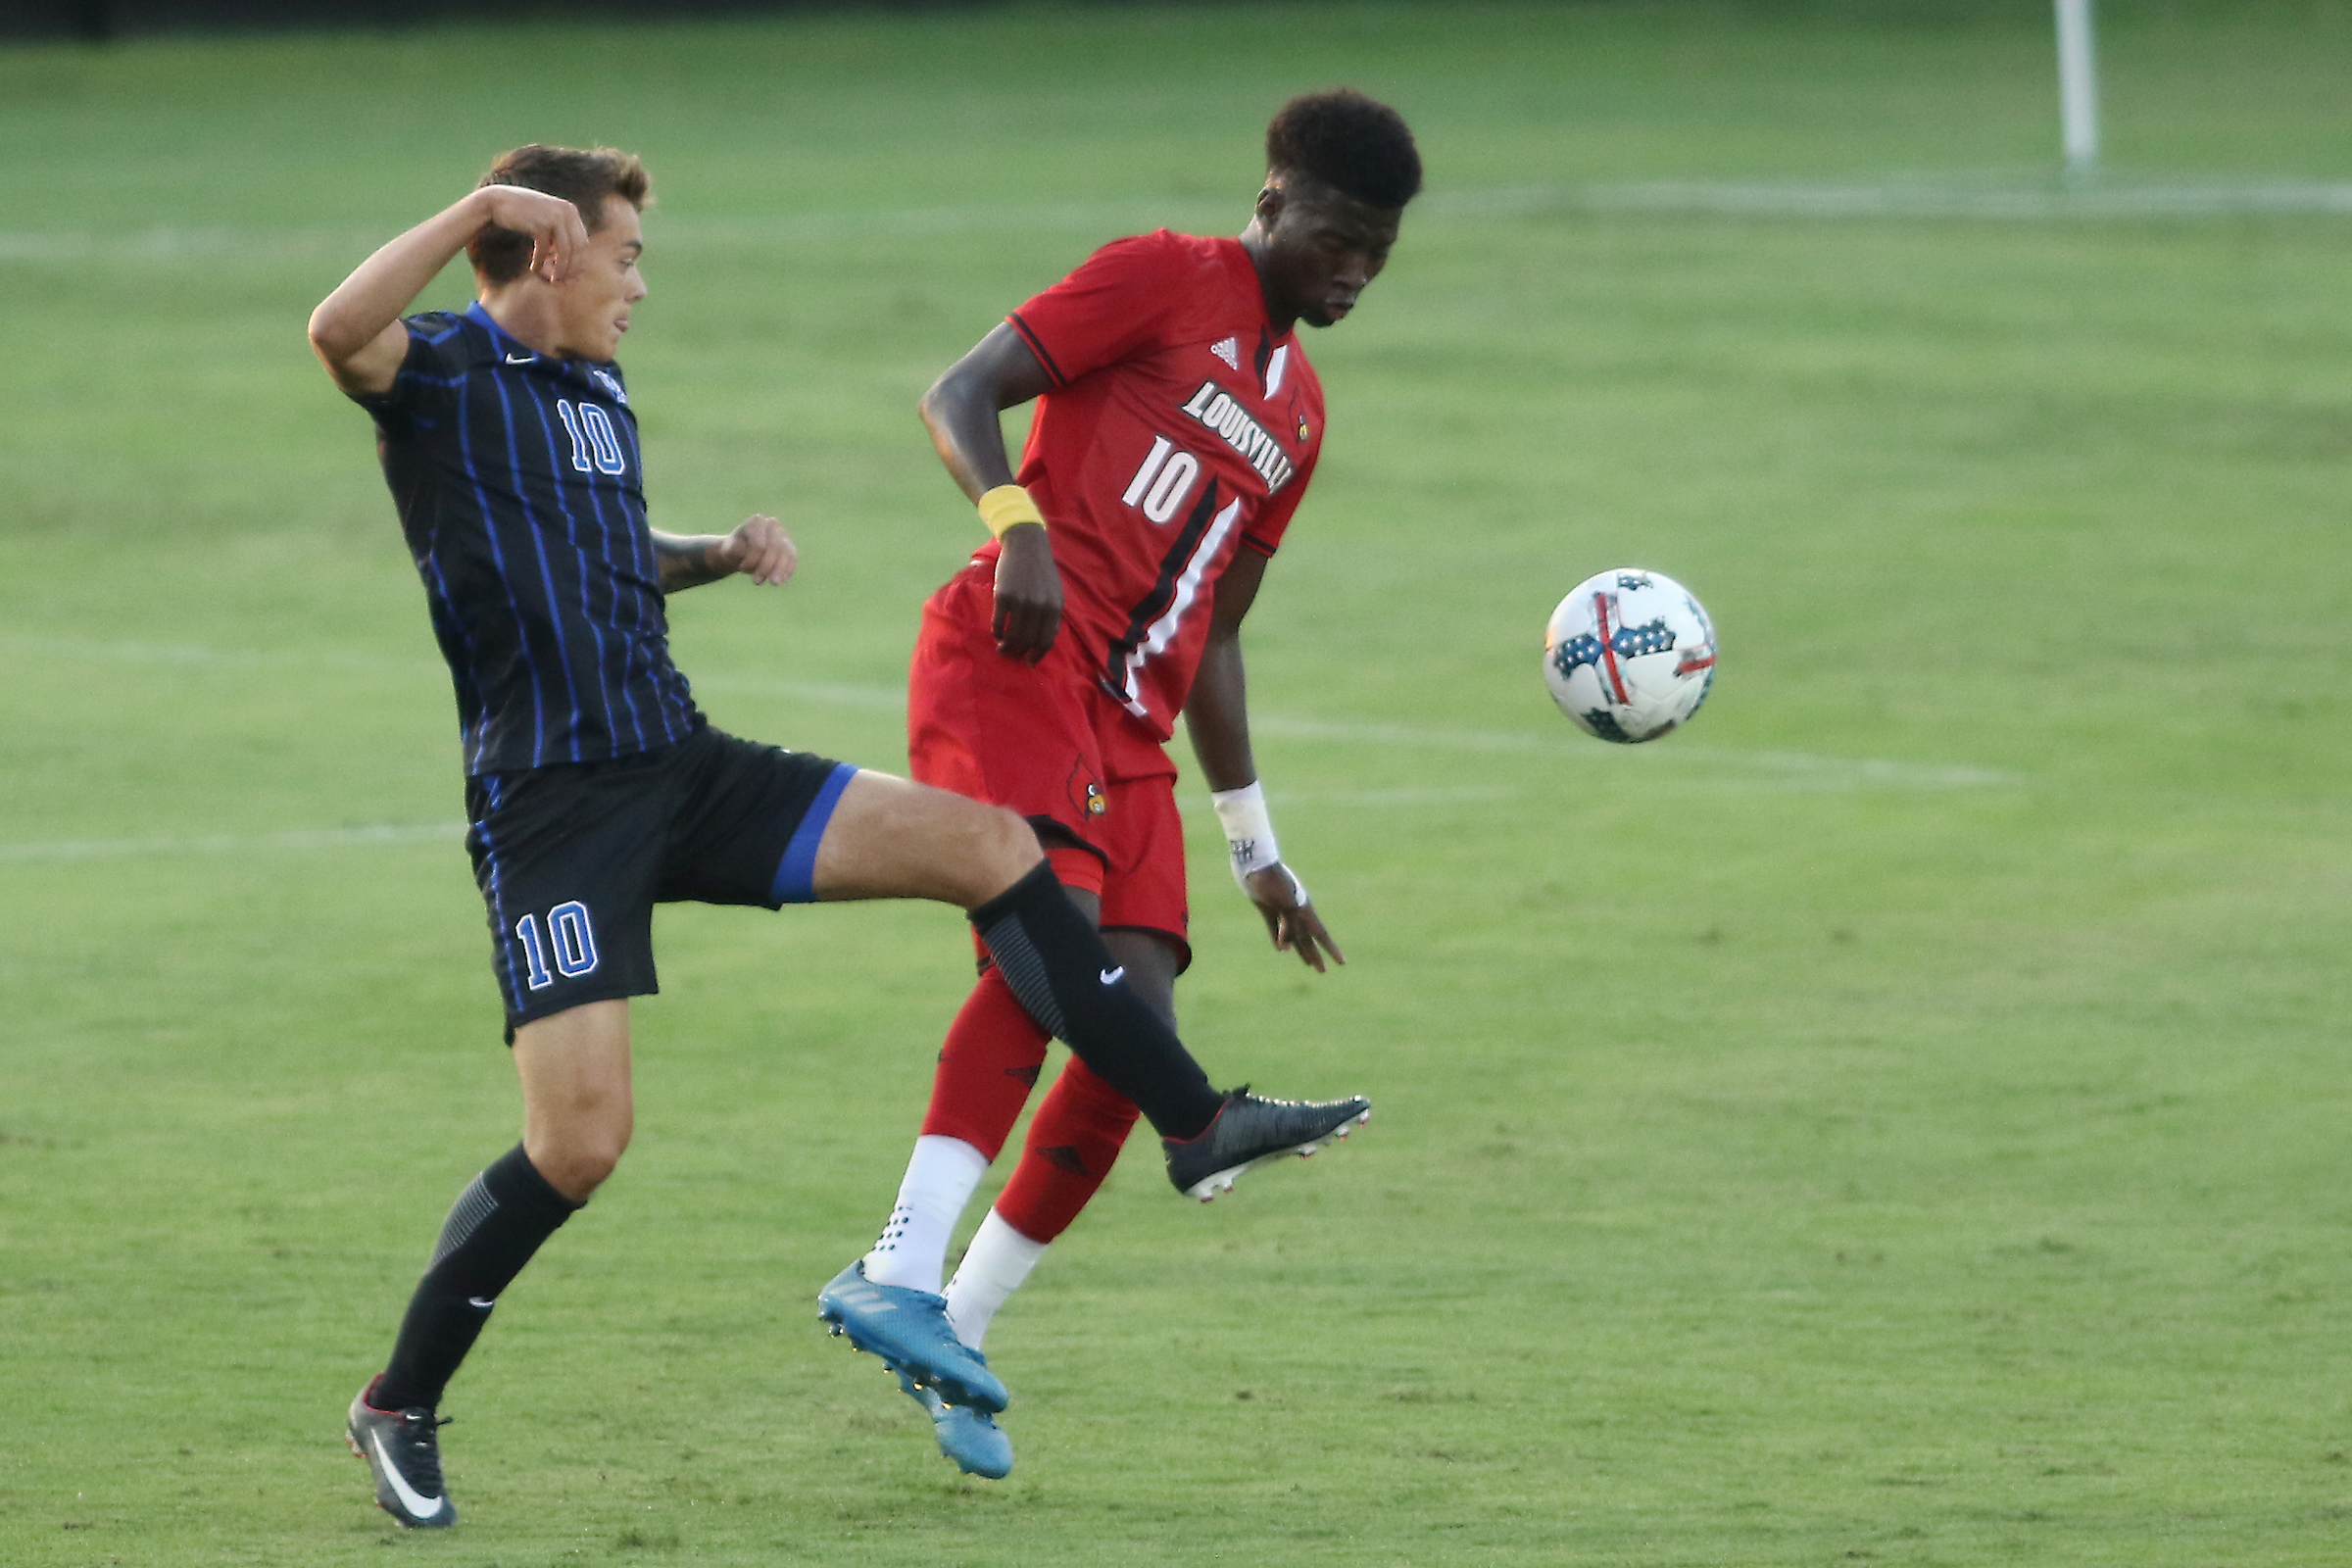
(595, 789)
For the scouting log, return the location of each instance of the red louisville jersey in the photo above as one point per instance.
(1180, 428)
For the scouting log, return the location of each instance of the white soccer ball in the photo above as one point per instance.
(1628, 654)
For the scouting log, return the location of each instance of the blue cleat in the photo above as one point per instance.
(909, 1330)
(970, 1437)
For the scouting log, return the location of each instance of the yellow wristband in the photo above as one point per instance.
(1006, 505)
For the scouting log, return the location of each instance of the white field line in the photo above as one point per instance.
(1799, 774)
(1433, 795)
(1818, 199)
(325, 838)
(391, 833)
(1799, 771)
(825, 694)
(1755, 770)
(1910, 198)
(1552, 741)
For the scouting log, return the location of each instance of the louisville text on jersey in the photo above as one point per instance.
(1222, 412)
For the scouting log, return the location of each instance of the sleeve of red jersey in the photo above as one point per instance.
(1266, 530)
(1117, 303)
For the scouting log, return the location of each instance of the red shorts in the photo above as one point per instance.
(1045, 741)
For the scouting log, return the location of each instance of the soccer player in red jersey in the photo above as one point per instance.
(1178, 424)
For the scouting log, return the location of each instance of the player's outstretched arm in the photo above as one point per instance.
(964, 412)
(759, 549)
(1217, 717)
(356, 331)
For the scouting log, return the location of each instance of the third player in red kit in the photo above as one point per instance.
(1177, 426)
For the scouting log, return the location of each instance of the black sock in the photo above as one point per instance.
(499, 1221)
(1055, 962)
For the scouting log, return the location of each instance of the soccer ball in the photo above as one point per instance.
(1628, 654)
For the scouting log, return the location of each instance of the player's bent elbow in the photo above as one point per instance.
(966, 394)
(331, 346)
(361, 361)
(337, 361)
(933, 408)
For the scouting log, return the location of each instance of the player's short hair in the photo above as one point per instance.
(1356, 145)
(583, 179)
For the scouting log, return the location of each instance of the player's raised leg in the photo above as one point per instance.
(890, 838)
(577, 1118)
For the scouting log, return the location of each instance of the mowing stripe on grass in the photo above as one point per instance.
(1953, 198)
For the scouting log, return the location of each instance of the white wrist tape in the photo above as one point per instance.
(1249, 831)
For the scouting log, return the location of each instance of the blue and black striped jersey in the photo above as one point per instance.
(518, 485)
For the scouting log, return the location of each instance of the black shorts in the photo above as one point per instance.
(571, 859)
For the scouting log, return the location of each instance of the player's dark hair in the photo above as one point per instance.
(1356, 145)
(583, 179)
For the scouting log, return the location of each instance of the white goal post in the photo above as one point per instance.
(2078, 87)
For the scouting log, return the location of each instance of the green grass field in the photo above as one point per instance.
(1903, 1120)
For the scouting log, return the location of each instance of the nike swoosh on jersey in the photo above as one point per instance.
(1112, 977)
(521, 358)
(421, 1506)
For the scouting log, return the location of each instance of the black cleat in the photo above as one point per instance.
(1248, 1131)
(403, 1450)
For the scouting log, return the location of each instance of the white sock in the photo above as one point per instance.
(994, 1266)
(912, 1248)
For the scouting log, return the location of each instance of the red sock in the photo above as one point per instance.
(987, 1067)
(1073, 1142)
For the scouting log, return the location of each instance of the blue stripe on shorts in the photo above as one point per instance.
(796, 874)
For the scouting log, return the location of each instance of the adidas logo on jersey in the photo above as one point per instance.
(1229, 351)
(1223, 413)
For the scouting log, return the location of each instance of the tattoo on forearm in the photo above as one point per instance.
(684, 562)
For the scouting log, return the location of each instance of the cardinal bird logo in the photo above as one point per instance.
(1086, 795)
